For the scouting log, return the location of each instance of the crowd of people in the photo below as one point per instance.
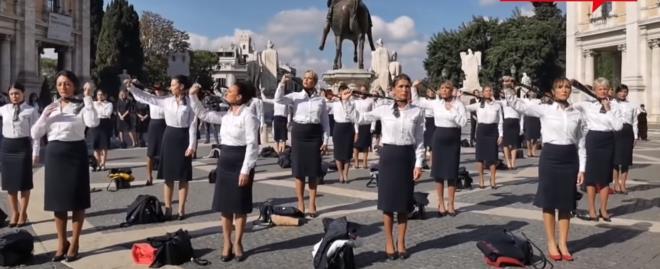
(586, 143)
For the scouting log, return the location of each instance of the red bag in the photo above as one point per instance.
(143, 253)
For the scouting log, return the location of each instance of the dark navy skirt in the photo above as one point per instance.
(66, 181)
(155, 137)
(364, 138)
(101, 134)
(532, 126)
(306, 141)
(174, 165)
(600, 158)
(623, 146)
(487, 149)
(280, 131)
(511, 133)
(16, 158)
(228, 196)
(395, 182)
(446, 154)
(429, 130)
(342, 140)
(558, 170)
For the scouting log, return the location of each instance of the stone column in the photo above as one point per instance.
(68, 57)
(633, 77)
(5, 61)
(85, 50)
(653, 102)
(589, 66)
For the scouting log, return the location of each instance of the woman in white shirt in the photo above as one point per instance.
(603, 120)
(562, 163)
(429, 123)
(235, 167)
(176, 155)
(489, 134)
(66, 181)
(624, 140)
(309, 135)
(400, 162)
(532, 126)
(449, 116)
(101, 134)
(343, 137)
(18, 152)
(155, 134)
(363, 129)
(281, 117)
(512, 126)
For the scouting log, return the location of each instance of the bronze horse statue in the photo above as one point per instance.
(350, 20)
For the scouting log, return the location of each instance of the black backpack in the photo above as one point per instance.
(93, 163)
(464, 180)
(503, 248)
(174, 249)
(268, 152)
(16, 247)
(212, 176)
(420, 201)
(284, 160)
(145, 209)
(3, 218)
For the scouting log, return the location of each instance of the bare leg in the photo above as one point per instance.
(535, 147)
(623, 177)
(240, 228)
(604, 195)
(99, 157)
(591, 195)
(25, 200)
(530, 144)
(507, 156)
(480, 168)
(402, 227)
(549, 224)
(60, 226)
(493, 175)
(13, 204)
(346, 168)
(300, 193)
(388, 223)
(150, 168)
(356, 157)
(440, 189)
(183, 197)
(168, 189)
(132, 136)
(227, 228)
(514, 153)
(615, 179)
(77, 220)
(312, 196)
(104, 157)
(340, 170)
(121, 137)
(451, 193)
(366, 158)
(564, 225)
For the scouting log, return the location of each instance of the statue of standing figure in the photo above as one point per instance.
(268, 63)
(471, 64)
(380, 64)
(395, 66)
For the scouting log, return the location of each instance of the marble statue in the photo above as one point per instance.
(527, 81)
(380, 65)
(395, 66)
(471, 64)
(269, 63)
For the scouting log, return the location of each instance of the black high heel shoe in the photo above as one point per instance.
(240, 258)
(228, 257)
(58, 258)
(600, 215)
(391, 256)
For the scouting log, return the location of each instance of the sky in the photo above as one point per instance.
(295, 26)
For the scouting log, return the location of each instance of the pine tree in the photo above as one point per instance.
(119, 46)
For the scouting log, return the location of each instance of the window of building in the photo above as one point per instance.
(54, 6)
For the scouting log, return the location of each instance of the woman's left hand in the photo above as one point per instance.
(417, 173)
(243, 180)
(190, 152)
(580, 178)
(324, 149)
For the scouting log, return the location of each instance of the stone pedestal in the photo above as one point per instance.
(357, 77)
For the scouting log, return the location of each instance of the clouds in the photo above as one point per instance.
(296, 34)
(488, 2)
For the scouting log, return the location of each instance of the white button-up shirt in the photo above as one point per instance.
(235, 130)
(596, 121)
(156, 113)
(344, 111)
(176, 114)
(407, 129)
(306, 109)
(20, 128)
(629, 112)
(104, 109)
(363, 106)
(455, 117)
(559, 126)
(489, 114)
(64, 124)
(257, 108)
(278, 109)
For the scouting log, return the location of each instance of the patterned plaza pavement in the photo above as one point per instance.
(630, 240)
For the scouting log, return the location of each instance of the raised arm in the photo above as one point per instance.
(418, 101)
(461, 116)
(146, 98)
(582, 137)
(252, 146)
(265, 99)
(40, 127)
(280, 98)
(204, 114)
(89, 115)
(500, 121)
(525, 108)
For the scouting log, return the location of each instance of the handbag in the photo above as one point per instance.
(174, 249)
(506, 249)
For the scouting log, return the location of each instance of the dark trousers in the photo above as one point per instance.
(473, 129)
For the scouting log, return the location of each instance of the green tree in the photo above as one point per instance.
(119, 46)
(159, 40)
(201, 67)
(96, 21)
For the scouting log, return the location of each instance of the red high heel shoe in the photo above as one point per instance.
(556, 258)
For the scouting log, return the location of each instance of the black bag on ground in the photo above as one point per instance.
(336, 229)
(174, 249)
(506, 249)
(332, 166)
(420, 201)
(287, 211)
(145, 209)
(464, 180)
(16, 247)
(465, 143)
(268, 152)
(93, 163)
(284, 160)
(212, 176)
(3, 218)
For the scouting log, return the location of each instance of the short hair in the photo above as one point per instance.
(182, 79)
(401, 76)
(69, 75)
(16, 85)
(559, 82)
(314, 75)
(246, 90)
(601, 81)
(622, 87)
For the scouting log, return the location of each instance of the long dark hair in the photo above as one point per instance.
(16, 85)
(395, 107)
(72, 77)
(183, 80)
